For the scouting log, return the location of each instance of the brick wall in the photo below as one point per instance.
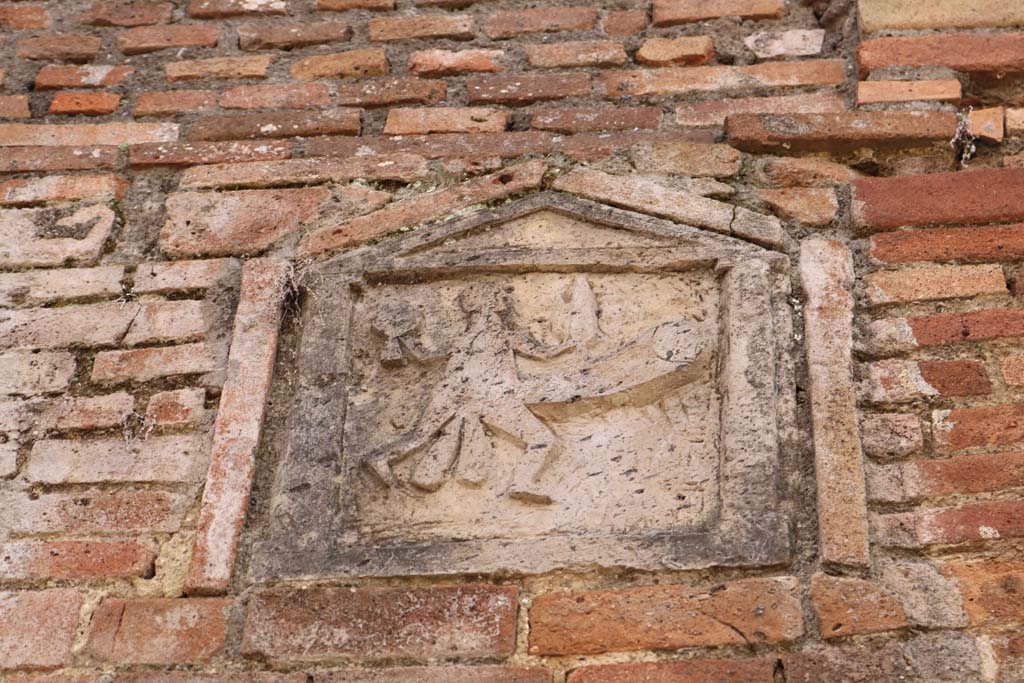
(168, 165)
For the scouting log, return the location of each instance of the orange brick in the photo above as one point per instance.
(690, 50)
(444, 120)
(158, 630)
(107, 13)
(673, 12)
(809, 205)
(449, 63)
(966, 52)
(576, 53)
(24, 16)
(136, 41)
(539, 20)
(934, 283)
(344, 5)
(290, 35)
(70, 47)
(94, 103)
(786, 172)
(998, 425)
(752, 670)
(455, 27)
(850, 606)
(219, 67)
(893, 381)
(171, 102)
(277, 96)
(177, 408)
(627, 22)
(993, 591)
(142, 365)
(351, 64)
(884, 92)
(995, 243)
(439, 674)
(976, 473)
(987, 124)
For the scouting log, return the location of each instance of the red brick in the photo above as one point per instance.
(276, 125)
(38, 287)
(70, 47)
(439, 674)
(107, 13)
(61, 188)
(219, 67)
(35, 373)
(343, 5)
(290, 35)
(402, 167)
(595, 118)
(673, 12)
(967, 197)
(992, 591)
(433, 26)
(965, 52)
(690, 50)
(171, 102)
(885, 92)
(37, 628)
(445, 120)
(876, 15)
(427, 206)
(752, 670)
(178, 408)
(14, 107)
(239, 423)
(382, 93)
(992, 243)
(472, 620)
(136, 41)
(142, 365)
(715, 112)
(526, 88)
(228, 223)
(189, 153)
(979, 473)
(666, 617)
(449, 63)
(629, 22)
(158, 630)
(952, 328)
(277, 96)
(87, 412)
(576, 53)
(96, 512)
(181, 276)
(934, 283)
(155, 460)
(54, 77)
(686, 80)
(786, 133)
(24, 16)
(891, 435)
(86, 134)
(219, 9)
(970, 523)
(74, 560)
(92, 103)
(351, 64)
(998, 425)
(808, 205)
(850, 606)
(539, 20)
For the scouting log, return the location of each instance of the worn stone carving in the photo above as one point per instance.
(557, 385)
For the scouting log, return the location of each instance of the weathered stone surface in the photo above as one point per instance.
(34, 288)
(878, 15)
(715, 111)
(158, 459)
(688, 159)
(30, 237)
(696, 79)
(30, 373)
(794, 43)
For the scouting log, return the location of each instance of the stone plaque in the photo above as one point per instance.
(557, 384)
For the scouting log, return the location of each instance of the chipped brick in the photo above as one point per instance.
(435, 63)
(285, 36)
(137, 41)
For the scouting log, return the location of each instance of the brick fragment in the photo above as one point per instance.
(839, 131)
(878, 15)
(24, 16)
(95, 512)
(220, 9)
(886, 92)
(382, 93)
(276, 125)
(350, 64)
(157, 460)
(35, 191)
(998, 425)
(992, 591)
(439, 674)
(430, 26)
(891, 435)
(715, 112)
(137, 41)
(55, 76)
(809, 205)
(403, 167)
(965, 52)
(934, 283)
(688, 50)
(142, 365)
(14, 107)
(971, 523)
(74, 560)
(178, 408)
(673, 12)
(539, 20)
(180, 276)
(595, 118)
(234, 223)
(893, 335)
(28, 374)
(686, 80)
(343, 5)
(785, 172)
(576, 53)
(850, 606)
(470, 620)
(158, 630)
(685, 158)
(826, 269)
(105, 13)
(239, 424)
(171, 102)
(993, 243)
(1012, 368)
(987, 124)
(219, 67)
(526, 88)
(67, 47)
(37, 287)
(37, 628)
(89, 103)
(87, 412)
(793, 43)
(77, 239)
(428, 206)
(435, 63)
(402, 121)
(666, 617)
(189, 153)
(277, 96)
(895, 381)
(285, 36)
(86, 134)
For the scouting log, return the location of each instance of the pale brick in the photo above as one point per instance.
(219, 67)
(66, 326)
(37, 628)
(891, 435)
(190, 153)
(93, 511)
(219, 9)
(87, 412)
(438, 674)
(70, 188)
(575, 54)
(714, 112)
(34, 288)
(934, 283)
(408, 121)
(168, 321)
(402, 167)
(55, 76)
(181, 276)
(156, 459)
(809, 205)
(878, 15)
(86, 134)
(142, 365)
(595, 118)
(793, 43)
(352, 64)
(788, 133)
(21, 245)
(433, 26)
(14, 107)
(691, 50)
(449, 63)
(35, 373)
(721, 79)
(177, 408)
(158, 630)
(277, 96)
(685, 158)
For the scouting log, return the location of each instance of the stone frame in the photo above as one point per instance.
(302, 538)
